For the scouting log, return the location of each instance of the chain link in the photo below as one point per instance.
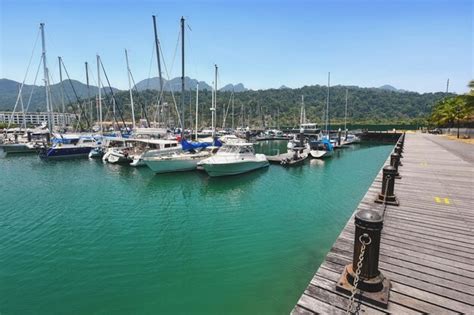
(358, 271)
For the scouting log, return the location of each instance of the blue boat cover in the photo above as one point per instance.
(198, 145)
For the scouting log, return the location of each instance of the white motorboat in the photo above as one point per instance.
(175, 162)
(132, 151)
(321, 149)
(233, 159)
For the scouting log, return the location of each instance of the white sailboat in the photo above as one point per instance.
(184, 160)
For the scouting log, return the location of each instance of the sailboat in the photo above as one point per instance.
(323, 147)
(348, 138)
(187, 159)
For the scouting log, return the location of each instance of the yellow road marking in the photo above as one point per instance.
(446, 201)
(438, 200)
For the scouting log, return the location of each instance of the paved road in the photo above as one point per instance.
(463, 150)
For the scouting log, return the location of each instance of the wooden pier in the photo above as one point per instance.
(427, 244)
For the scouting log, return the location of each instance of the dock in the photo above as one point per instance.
(427, 242)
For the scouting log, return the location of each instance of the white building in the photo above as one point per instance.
(36, 118)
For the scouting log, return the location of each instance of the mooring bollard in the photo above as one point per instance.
(363, 273)
(387, 195)
(395, 162)
(398, 150)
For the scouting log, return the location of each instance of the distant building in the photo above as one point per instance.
(36, 118)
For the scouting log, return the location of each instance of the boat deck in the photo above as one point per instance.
(427, 245)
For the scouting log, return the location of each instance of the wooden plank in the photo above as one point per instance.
(427, 247)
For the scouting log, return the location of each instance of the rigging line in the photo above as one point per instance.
(78, 118)
(168, 76)
(113, 95)
(149, 69)
(79, 101)
(25, 77)
(138, 98)
(34, 84)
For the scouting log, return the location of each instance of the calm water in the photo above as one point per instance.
(80, 237)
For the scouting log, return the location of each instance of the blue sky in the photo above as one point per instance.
(415, 45)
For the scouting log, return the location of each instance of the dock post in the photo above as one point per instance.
(398, 150)
(387, 195)
(362, 278)
(339, 134)
(301, 137)
(395, 162)
(247, 135)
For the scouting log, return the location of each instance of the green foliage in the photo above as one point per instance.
(281, 107)
(450, 110)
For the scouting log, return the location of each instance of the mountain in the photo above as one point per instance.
(389, 87)
(283, 87)
(9, 94)
(236, 88)
(172, 85)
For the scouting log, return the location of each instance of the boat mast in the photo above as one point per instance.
(215, 103)
(345, 113)
(46, 79)
(182, 77)
(89, 92)
(233, 97)
(327, 105)
(62, 90)
(197, 109)
(100, 94)
(157, 47)
(130, 90)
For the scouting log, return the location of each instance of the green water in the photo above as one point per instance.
(80, 237)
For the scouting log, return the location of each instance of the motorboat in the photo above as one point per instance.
(232, 159)
(69, 147)
(321, 149)
(132, 151)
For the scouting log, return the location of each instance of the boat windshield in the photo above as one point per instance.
(239, 149)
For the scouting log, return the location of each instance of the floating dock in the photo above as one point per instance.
(427, 242)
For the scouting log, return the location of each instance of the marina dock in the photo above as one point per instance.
(427, 242)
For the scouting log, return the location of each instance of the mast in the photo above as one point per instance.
(100, 94)
(345, 114)
(62, 90)
(157, 47)
(327, 105)
(46, 79)
(22, 107)
(182, 77)
(215, 103)
(212, 109)
(130, 90)
(89, 92)
(447, 86)
(233, 98)
(197, 109)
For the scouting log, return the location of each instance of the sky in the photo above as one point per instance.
(411, 44)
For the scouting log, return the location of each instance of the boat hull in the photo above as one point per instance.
(65, 153)
(235, 168)
(320, 154)
(170, 165)
(17, 148)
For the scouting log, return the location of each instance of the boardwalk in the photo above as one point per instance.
(427, 247)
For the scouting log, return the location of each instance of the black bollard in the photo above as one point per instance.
(247, 136)
(395, 162)
(398, 150)
(387, 195)
(28, 134)
(374, 286)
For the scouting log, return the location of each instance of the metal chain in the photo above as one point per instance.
(358, 271)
